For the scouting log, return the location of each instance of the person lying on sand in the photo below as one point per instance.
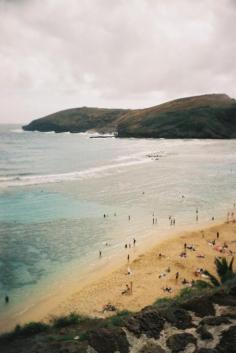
(183, 254)
(198, 272)
(167, 289)
(108, 307)
(126, 291)
(191, 247)
(161, 275)
(200, 256)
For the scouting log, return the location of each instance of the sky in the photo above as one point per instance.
(59, 54)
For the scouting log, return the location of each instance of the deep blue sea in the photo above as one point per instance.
(56, 188)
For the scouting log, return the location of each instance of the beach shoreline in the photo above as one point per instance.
(104, 285)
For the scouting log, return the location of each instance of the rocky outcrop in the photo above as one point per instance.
(105, 340)
(206, 116)
(201, 306)
(228, 341)
(180, 341)
(178, 328)
(177, 317)
(147, 321)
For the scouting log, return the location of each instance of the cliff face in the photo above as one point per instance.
(206, 116)
(201, 324)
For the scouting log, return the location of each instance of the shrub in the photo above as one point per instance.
(64, 321)
(163, 302)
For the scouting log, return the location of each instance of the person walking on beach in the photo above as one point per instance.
(128, 257)
(217, 235)
(129, 218)
(134, 241)
(177, 276)
(100, 254)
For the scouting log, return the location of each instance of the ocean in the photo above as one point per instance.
(56, 188)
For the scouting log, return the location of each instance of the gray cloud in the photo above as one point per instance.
(56, 54)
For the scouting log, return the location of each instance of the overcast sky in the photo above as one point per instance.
(58, 54)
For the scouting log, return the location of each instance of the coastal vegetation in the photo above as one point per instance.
(206, 116)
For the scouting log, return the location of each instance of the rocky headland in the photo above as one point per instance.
(206, 116)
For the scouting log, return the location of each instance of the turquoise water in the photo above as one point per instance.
(55, 189)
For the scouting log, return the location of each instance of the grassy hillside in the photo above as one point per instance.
(78, 120)
(206, 116)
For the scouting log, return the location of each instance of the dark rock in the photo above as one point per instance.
(215, 321)
(179, 341)
(201, 306)
(178, 317)
(105, 340)
(203, 333)
(227, 343)
(224, 299)
(151, 348)
(232, 291)
(148, 322)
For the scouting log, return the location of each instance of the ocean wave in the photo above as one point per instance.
(27, 180)
(18, 131)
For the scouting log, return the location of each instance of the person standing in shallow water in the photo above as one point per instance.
(6, 299)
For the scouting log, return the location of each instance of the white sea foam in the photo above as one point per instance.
(18, 131)
(76, 175)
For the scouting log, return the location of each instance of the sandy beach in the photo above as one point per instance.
(149, 272)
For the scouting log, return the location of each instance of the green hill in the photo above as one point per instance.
(78, 120)
(206, 116)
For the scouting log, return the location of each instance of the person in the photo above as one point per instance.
(134, 241)
(213, 218)
(153, 220)
(128, 257)
(126, 246)
(217, 235)
(100, 253)
(6, 299)
(104, 216)
(177, 276)
(131, 288)
(126, 290)
(129, 218)
(185, 246)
